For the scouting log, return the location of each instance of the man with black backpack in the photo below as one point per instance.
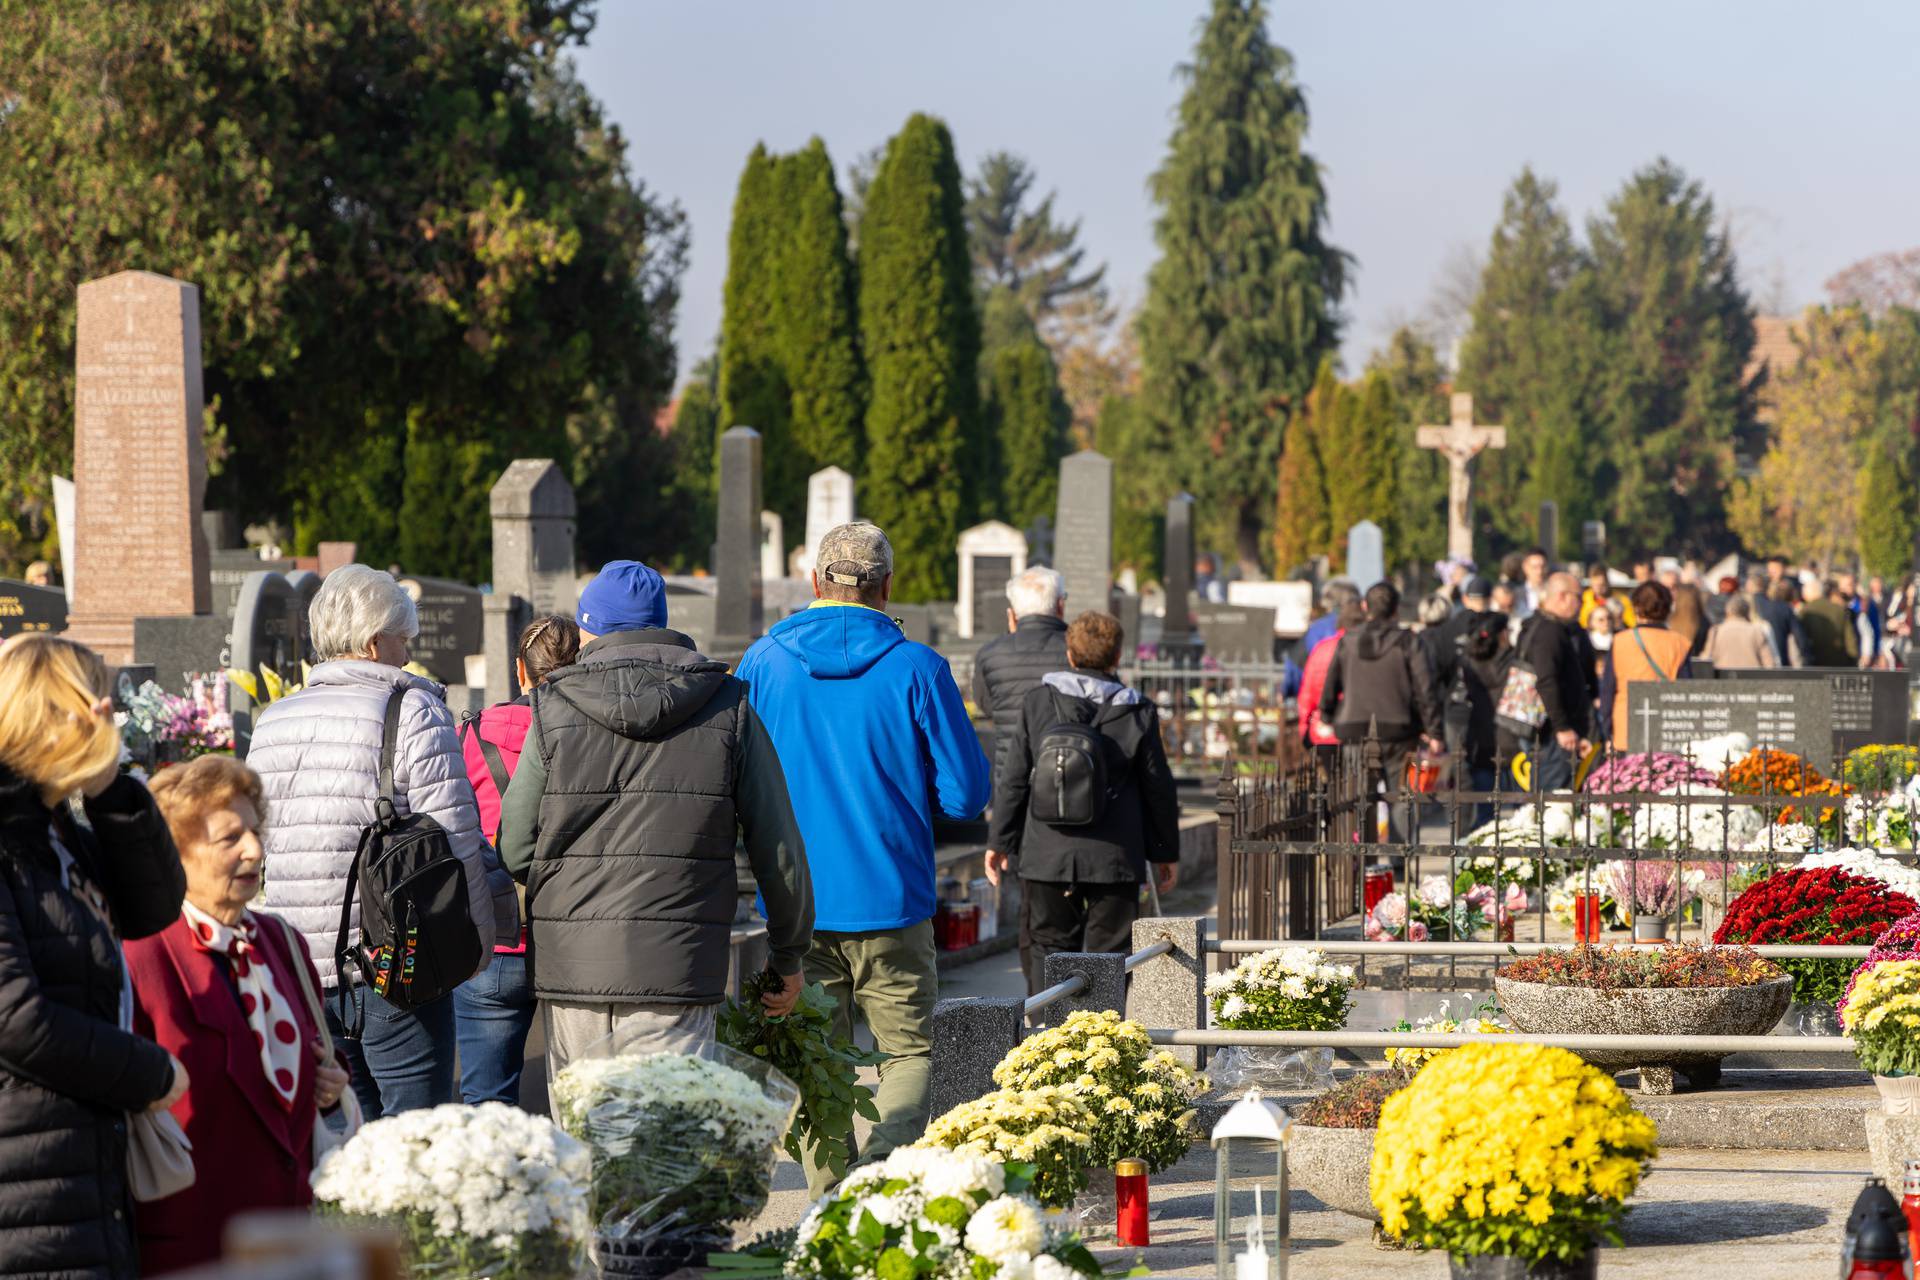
(1084, 800)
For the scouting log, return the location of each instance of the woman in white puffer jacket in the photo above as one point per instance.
(318, 754)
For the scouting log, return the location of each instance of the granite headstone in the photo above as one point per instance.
(265, 637)
(25, 608)
(1550, 531)
(1869, 707)
(229, 568)
(532, 509)
(1366, 555)
(991, 554)
(451, 626)
(1235, 633)
(830, 503)
(1791, 715)
(1176, 628)
(737, 616)
(1083, 530)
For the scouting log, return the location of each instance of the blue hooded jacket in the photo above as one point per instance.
(872, 735)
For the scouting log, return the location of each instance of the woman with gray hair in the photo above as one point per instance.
(318, 756)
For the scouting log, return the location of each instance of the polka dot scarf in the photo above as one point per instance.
(270, 1017)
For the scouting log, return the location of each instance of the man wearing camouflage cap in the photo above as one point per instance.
(873, 738)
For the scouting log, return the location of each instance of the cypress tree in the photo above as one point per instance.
(1242, 304)
(1361, 463)
(1303, 528)
(1028, 417)
(752, 388)
(1414, 375)
(921, 338)
(1142, 483)
(695, 431)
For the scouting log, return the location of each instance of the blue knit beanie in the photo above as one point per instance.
(624, 596)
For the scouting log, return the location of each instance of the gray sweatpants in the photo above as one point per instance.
(644, 1028)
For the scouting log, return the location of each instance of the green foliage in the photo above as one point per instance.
(1354, 1103)
(416, 242)
(790, 363)
(1027, 417)
(1023, 250)
(1303, 528)
(690, 445)
(1342, 465)
(805, 1048)
(1142, 483)
(1887, 519)
(921, 337)
(1414, 373)
(1243, 302)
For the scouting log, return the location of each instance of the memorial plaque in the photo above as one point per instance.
(532, 510)
(1176, 570)
(737, 616)
(25, 608)
(139, 471)
(1235, 633)
(1869, 707)
(1083, 530)
(451, 626)
(1791, 715)
(991, 554)
(830, 504)
(1366, 554)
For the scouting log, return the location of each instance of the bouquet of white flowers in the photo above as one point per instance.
(934, 1213)
(482, 1191)
(1284, 989)
(1872, 865)
(682, 1144)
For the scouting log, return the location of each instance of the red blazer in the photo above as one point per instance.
(249, 1152)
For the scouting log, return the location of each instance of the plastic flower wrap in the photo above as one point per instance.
(683, 1144)
(1813, 905)
(1485, 1021)
(1283, 989)
(1885, 822)
(1049, 1128)
(1882, 1014)
(1140, 1096)
(474, 1191)
(951, 1215)
(1509, 1149)
(1658, 772)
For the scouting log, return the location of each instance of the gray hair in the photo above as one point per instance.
(1737, 607)
(1336, 593)
(355, 604)
(1038, 590)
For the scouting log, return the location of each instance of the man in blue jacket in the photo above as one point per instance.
(873, 737)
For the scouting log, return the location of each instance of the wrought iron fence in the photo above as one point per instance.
(1212, 712)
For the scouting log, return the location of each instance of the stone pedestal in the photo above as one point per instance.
(501, 620)
(1106, 975)
(970, 1036)
(1170, 990)
(533, 516)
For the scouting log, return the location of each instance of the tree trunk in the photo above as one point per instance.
(1247, 543)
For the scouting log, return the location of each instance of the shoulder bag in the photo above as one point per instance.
(1521, 711)
(159, 1156)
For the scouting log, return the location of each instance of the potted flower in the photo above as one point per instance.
(1648, 772)
(1048, 1129)
(520, 1208)
(1516, 1159)
(1330, 1143)
(1811, 906)
(1883, 1017)
(1408, 1061)
(1669, 990)
(1649, 890)
(1900, 941)
(1282, 989)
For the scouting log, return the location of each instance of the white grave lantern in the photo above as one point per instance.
(1249, 1239)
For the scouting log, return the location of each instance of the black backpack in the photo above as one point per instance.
(417, 937)
(1069, 787)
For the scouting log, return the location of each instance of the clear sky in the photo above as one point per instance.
(1802, 121)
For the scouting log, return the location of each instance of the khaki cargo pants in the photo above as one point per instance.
(890, 977)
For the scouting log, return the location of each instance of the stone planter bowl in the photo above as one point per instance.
(1544, 1009)
(1332, 1165)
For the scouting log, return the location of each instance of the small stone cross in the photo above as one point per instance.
(1460, 441)
(1648, 715)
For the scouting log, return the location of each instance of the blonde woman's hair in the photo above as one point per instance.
(48, 732)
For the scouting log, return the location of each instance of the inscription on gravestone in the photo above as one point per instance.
(228, 569)
(1792, 715)
(139, 470)
(25, 608)
(1869, 707)
(1083, 530)
(451, 623)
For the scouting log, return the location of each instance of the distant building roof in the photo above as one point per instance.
(1773, 345)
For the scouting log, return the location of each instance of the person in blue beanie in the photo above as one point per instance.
(642, 762)
(875, 740)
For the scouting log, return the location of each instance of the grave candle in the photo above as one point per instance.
(1130, 1196)
(1251, 1263)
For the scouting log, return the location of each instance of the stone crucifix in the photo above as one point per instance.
(1459, 442)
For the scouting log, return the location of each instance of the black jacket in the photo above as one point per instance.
(1381, 675)
(1563, 661)
(1009, 667)
(648, 759)
(68, 1074)
(1141, 823)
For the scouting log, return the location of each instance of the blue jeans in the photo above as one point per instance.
(404, 1058)
(493, 1013)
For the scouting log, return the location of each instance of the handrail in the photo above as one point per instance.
(1058, 991)
(1147, 953)
(1451, 1040)
(1338, 946)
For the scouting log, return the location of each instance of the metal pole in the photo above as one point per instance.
(1249, 946)
(1439, 1040)
(1058, 991)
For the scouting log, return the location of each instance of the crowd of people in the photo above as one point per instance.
(198, 998)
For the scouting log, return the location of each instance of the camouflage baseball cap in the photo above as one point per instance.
(855, 554)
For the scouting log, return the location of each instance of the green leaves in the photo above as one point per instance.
(805, 1046)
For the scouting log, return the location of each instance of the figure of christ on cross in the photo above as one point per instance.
(1460, 441)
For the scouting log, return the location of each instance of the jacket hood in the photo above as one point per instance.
(1097, 689)
(638, 684)
(1376, 638)
(837, 642)
(371, 675)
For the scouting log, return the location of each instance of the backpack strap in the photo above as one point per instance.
(389, 739)
(496, 763)
(353, 1012)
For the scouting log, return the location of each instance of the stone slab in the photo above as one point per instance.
(970, 1036)
(737, 597)
(180, 647)
(1106, 988)
(1793, 715)
(1867, 707)
(1176, 628)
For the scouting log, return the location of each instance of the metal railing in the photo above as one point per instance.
(1347, 946)
(1054, 994)
(1452, 1040)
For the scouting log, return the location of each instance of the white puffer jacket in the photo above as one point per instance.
(318, 753)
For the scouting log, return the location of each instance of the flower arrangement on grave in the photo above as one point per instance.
(1141, 1097)
(1674, 965)
(1282, 989)
(1900, 941)
(1826, 820)
(1643, 887)
(1882, 1015)
(160, 728)
(1656, 772)
(1552, 825)
(473, 1191)
(1814, 906)
(1353, 1103)
(270, 686)
(1392, 921)
(946, 1215)
(682, 1144)
(1049, 1129)
(1869, 865)
(1698, 825)
(1484, 1022)
(1783, 841)
(1509, 1149)
(1770, 771)
(804, 1047)
(1717, 753)
(1881, 768)
(1881, 822)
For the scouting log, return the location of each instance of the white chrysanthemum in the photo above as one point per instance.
(1007, 1227)
(1047, 1267)
(1865, 862)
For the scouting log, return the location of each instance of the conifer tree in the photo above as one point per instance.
(1243, 302)
(1028, 419)
(695, 432)
(752, 388)
(1023, 250)
(1414, 374)
(1303, 528)
(921, 338)
(1142, 483)
(1361, 464)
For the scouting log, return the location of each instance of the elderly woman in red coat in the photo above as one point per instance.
(220, 990)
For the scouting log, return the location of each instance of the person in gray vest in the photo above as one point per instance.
(1006, 670)
(642, 762)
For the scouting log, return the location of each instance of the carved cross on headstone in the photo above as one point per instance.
(1460, 441)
